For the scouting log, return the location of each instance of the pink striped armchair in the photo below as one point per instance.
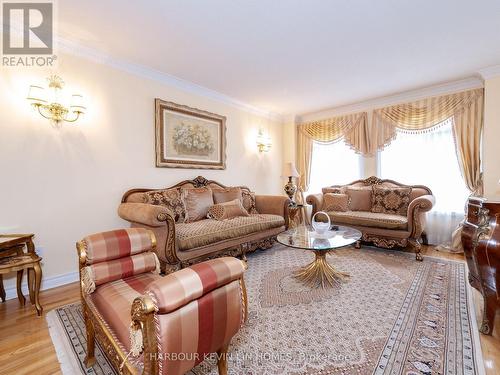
(149, 324)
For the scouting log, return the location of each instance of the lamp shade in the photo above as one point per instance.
(289, 170)
(36, 95)
(77, 103)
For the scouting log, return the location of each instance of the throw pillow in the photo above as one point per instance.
(227, 194)
(197, 202)
(391, 200)
(335, 202)
(249, 201)
(334, 190)
(170, 198)
(227, 210)
(360, 198)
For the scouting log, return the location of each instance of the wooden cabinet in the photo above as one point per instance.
(481, 242)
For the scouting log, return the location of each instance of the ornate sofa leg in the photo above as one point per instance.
(90, 358)
(357, 245)
(222, 360)
(416, 245)
(244, 250)
(425, 241)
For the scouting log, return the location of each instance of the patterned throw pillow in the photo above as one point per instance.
(197, 202)
(227, 194)
(334, 190)
(360, 198)
(335, 202)
(391, 200)
(170, 198)
(227, 210)
(249, 201)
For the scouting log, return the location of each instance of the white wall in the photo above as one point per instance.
(491, 139)
(62, 184)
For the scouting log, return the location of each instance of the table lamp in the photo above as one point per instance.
(290, 171)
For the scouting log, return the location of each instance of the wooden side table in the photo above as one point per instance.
(13, 258)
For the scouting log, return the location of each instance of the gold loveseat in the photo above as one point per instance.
(181, 244)
(382, 229)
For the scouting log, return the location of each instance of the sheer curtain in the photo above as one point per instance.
(333, 163)
(429, 159)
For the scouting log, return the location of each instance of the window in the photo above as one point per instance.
(333, 164)
(429, 159)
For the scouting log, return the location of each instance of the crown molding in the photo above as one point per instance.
(490, 72)
(403, 97)
(146, 72)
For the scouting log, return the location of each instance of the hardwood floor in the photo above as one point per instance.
(26, 346)
(25, 343)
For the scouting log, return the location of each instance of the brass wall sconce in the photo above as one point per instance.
(50, 106)
(263, 142)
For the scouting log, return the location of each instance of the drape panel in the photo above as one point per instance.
(352, 128)
(304, 158)
(466, 110)
(467, 130)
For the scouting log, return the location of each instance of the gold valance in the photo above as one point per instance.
(329, 130)
(464, 108)
(353, 129)
(420, 115)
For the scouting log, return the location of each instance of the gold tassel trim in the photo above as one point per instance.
(157, 262)
(136, 342)
(87, 280)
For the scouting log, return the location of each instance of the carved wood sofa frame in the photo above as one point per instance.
(416, 216)
(175, 259)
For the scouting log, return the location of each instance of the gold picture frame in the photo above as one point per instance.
(188, 137)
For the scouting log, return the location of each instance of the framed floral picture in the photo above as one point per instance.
(188, 137)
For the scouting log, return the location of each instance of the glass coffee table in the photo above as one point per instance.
(320, 273)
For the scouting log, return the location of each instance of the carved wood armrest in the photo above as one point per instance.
(144, 333)
(274, 205)
(416, 209)
(316, 200)
(147, 214)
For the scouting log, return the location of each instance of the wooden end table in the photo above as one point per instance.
(13, 258)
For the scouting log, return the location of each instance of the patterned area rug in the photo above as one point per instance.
(394, 316)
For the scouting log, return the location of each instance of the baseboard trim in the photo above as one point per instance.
(47, 283)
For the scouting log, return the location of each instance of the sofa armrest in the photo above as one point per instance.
(316, 200)
(181, 287)
(192, 297)
(272, 204)
(416, 214)
(146, 214)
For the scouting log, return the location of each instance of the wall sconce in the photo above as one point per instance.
(50, 106)
(263, 142)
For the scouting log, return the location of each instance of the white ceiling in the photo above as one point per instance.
(293, 56)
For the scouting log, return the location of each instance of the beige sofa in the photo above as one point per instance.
(382, 229)
(181, 244)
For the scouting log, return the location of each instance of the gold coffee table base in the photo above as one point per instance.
(320, 273)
